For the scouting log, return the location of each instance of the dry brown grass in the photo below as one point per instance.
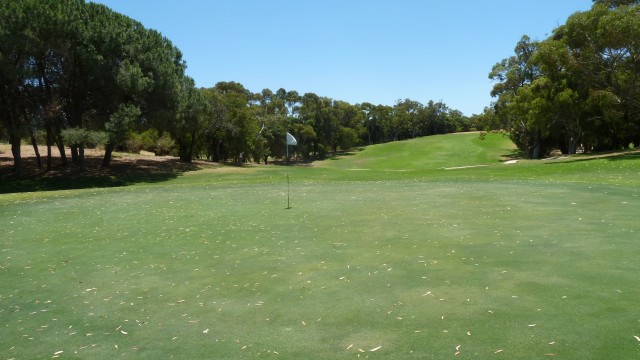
(122, 164)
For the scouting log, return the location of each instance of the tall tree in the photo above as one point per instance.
(514, 77)
(187, 128)
(580, 87)
(17, 46)
(76, 66)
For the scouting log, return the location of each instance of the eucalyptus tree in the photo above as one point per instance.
(558, 96)
(276, 114)
(580, 87)
(186, 128)
(514, 77)
(319, 113)
(612, 4)
(217, 125)
(407, 119)
(603, 45)
(350, 126)
(236, 126)
(437, 118)
(382, 118)
(292, 102)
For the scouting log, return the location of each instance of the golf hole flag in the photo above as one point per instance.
(291, 140)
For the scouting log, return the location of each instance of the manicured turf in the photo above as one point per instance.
(533, 260)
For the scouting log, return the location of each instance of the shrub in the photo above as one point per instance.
(133, 144)
(149, 140)
(84, 137)
(165, 145)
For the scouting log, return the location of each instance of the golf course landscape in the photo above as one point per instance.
(431, 248)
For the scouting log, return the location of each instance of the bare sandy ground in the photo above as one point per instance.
(121, 163)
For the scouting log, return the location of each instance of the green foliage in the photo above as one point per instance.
(150, 140)
(616, 3)
(82, 65)
(576, 89)
(165, 145)
(84, 137)
(120, 122)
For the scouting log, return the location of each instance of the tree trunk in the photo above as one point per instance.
(537, 147)
(34, 143)
(75, 157)
(60, 144)
(49, 141)
(185, 156)
(218, 151)
(108, 151)
(192, 145)
(15, 151)
(81, 162)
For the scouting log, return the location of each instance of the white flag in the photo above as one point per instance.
(291, 140)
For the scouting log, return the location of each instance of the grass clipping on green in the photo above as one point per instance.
(531, 260)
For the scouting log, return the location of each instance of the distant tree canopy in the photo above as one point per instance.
(76, 74)
(242, 126)
(580, 88)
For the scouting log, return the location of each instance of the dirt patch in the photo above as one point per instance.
(121, 163)
(125, 169)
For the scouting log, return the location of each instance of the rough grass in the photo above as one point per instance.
(506, 261)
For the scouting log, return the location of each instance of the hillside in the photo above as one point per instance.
(432, 152)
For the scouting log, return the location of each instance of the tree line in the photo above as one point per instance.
(242, 126)
(78, 75)
(577, 90)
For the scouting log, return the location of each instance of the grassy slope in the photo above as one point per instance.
(435, 152)
(503, 261)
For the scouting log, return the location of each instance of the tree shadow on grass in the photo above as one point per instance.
(344, 153)
(514, 154)
(122, 172)
(628, 156)
(610, 156)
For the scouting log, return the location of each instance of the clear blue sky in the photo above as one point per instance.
(353, 50)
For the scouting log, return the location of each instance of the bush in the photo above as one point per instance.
(165, 145)
(132, 144)
(84, 137)
(151, 141)
(347, 138)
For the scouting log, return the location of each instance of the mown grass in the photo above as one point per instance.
(530, 260)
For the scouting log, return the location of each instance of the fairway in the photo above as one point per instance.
(385, 254)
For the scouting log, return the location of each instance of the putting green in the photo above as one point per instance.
(492, 262)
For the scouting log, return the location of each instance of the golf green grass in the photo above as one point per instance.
(408, 250)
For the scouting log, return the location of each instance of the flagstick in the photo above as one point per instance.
(288, 192)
